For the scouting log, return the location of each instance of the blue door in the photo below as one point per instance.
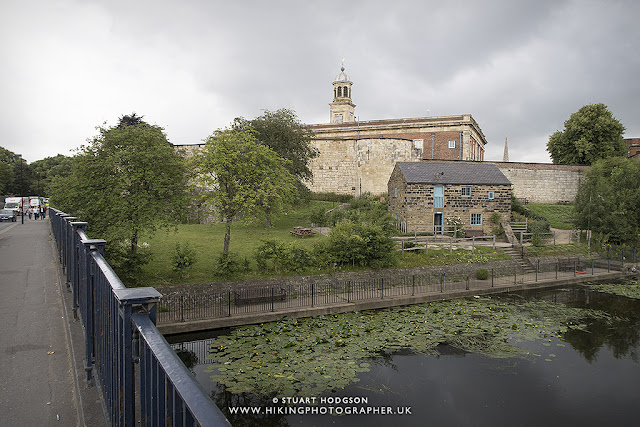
(438, 196)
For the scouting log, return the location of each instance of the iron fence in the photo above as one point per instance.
(140, 377)
(186, 306)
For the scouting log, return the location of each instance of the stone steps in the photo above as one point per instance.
(517, 257)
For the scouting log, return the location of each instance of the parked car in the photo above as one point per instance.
(8, 215)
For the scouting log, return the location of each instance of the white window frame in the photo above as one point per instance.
(417, 143)
(452, 143)
(478, 218)
(395, 192)
(490, 195)
(468, 191)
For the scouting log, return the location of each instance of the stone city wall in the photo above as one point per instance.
(543, 183)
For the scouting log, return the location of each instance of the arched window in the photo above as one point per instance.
(346, 92)
(339, 91)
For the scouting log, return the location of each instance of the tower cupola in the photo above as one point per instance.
(342, 109)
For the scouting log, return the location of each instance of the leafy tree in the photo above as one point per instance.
(590, 134)
(6, 177)
(48, 168)
(285, 134)
(127, 181)
(608, 199)
(15, 174)
(244, 177)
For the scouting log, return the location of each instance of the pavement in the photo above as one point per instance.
(42, 378)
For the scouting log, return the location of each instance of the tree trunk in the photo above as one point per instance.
(227, 238)
(134, 242)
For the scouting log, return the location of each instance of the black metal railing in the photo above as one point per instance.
(124, 351)
(201, 304)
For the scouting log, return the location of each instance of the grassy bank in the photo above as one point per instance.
(207, 239)
(559, 216)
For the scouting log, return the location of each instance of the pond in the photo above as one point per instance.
(564, 356)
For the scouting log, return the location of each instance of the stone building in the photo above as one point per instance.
(358, 156)
(429, 196)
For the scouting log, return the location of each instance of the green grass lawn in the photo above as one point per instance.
(207, 240)
(559, 216)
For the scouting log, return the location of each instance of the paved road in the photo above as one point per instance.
(38, 365)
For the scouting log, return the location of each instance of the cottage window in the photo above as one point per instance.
(465, 191)
(417, 143)
(476, 219)
(395, 192)
(490, 195)
(452, 144)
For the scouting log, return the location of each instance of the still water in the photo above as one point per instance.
(587, 376)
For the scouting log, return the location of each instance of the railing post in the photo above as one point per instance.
(413, 285)
(143, 299)
(312, 293)
(557, 265)
(492, 277)
(88, 313)
(272, 296)
(592, 267)
(75, 282)
(443, 280)
(537, 268)
(229, 299)
(515, 275)
(467, 280)
(382, 288)
(348, 291)
(68, 250)
(60, 237)
(575, 267)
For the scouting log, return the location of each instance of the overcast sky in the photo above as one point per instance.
(519, 68)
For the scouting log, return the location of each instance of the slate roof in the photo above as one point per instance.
(452, 173)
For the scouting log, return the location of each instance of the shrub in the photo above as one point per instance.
(360, 244)
(539, 230)
(318, 216)
(496, 227)
(228, 265)
(482, 274)
(183, 258)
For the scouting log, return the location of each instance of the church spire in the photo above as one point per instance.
(342, 109)
(505, 155)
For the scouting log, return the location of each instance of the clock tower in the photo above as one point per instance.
(342, 109)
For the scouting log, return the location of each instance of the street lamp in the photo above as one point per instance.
(21, 190)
